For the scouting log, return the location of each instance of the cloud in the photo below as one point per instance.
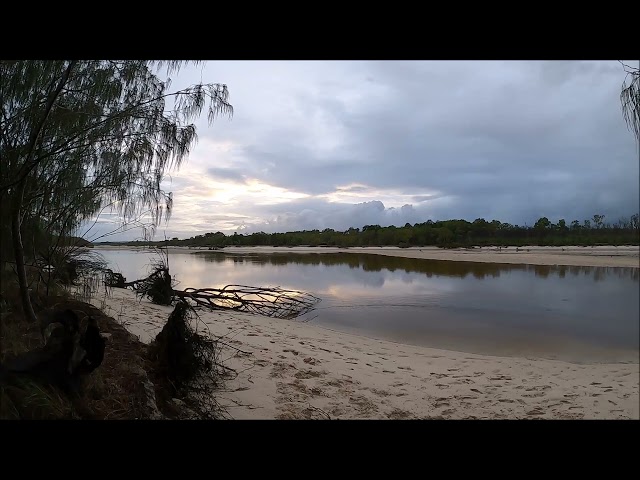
(226, 174)
(340, 144)
(338, 216)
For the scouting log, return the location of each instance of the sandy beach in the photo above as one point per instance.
(598, 256)
(292, 370)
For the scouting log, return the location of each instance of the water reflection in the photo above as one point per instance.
(377, 263)
(565, 312)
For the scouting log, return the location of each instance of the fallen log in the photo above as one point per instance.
(267, 301)
(271, 302)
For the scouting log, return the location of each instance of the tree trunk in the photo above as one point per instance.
(18, 249)
(18, 199)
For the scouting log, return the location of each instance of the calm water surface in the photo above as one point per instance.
(568, 313)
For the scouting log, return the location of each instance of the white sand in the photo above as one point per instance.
(600, 256)
(298, 370)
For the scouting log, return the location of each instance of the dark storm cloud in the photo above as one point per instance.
(506, 140)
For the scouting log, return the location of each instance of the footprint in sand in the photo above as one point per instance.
(380, 393)
(464, 381)
(304, 374)
(534, 395)
(538, 388)
(465, 397)
(536, 411)
(318, 392)
(398, 414)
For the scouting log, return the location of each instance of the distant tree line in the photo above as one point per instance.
(444, 234)
(378, 263)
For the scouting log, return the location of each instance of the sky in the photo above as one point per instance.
(339, 144)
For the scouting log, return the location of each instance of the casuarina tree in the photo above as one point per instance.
(76, 136)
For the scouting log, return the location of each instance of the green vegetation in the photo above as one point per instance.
(78, 138)
(81, 136)
(444, 234)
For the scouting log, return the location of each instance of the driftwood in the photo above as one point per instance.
(268, 301)
(69, 352)
(271, 302)
(115, 279)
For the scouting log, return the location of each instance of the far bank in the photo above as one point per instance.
(597, 256)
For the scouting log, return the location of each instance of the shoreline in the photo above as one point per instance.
(295, 370)
(598, 256)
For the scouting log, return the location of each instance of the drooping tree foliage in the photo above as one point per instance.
(79, 136)
(630, 98)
